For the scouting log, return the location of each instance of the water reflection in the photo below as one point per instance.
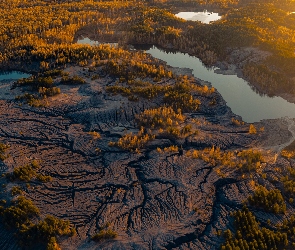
(204, 16)
(86, 40)
(240, 97)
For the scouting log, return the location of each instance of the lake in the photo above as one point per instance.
(204, 16)
(13, 75)
(236, 92)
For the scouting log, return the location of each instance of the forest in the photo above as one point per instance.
(166, 118)
(45, 34)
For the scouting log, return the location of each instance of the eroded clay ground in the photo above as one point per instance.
(152, 200)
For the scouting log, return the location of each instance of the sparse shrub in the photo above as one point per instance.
(72, 80)
(3, 202)
(31, 99)
(35, 82)
(289, 151)
(250, 160)
(252, 129)
(52, 244)
(179, 96)
(168, 121)
(162, 117)
(104, 235)
(187, 129)
(133, 142)
(52, 226)
(133, 98)
(237, 122)
(159, 150)
(214, 156)
(172, 148)
(3, 148)
(124, 91)
(172, 131)
(43, 178)
(26, 172)
(49, 91)
(55, 73)
(95, 134)
(182, 101)
(245, 161)
(16, 190)
(95, 77)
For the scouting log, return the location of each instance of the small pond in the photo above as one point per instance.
(13, 75)
(86, 40)
(204, 16)
(239, 96)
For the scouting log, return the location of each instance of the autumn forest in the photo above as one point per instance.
(106, 147)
